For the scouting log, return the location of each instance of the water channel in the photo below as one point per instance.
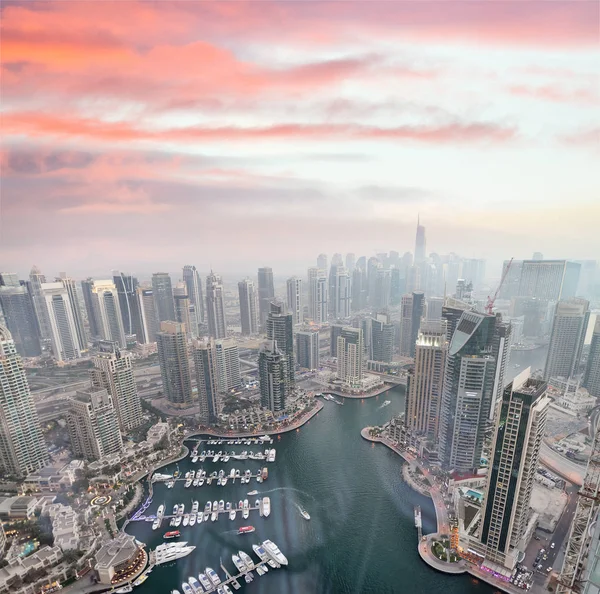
(361, 537)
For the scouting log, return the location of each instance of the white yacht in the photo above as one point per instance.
(156, 524)
(167, 552)
(193, 518)
(232, 513)
(195, 506)
(221, 505)
(246, 509)
(246, 559)
(266, 505)
(161, 511)
(241, 566)
(196, 587)
(274, 552)
(206, 583)
(212, 576)
(271, 456)
(186, 519)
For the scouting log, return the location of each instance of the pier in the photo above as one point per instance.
(239, 441)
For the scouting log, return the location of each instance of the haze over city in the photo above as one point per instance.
(227, 132)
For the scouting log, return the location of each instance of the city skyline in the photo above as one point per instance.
(99, 153)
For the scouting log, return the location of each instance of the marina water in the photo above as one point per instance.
(361, 536)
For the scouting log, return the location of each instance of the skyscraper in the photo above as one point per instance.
(280, 327)
(382, 339)
(215, 306)
(548, 279)
(93, 425)
(566, 340)
(107, 312)
(71, 287)
(184, 311)
(148, 322)
(381, 298)
(307, 349)
(22, 447)
(372, 266)
(266, 293)
(360, 288)
(294, 298)
(397, 285)
(127, 285)
(591, 376)
(113, 371)
(63, 331)
(350, 263)
(469, 388)
(163, 296)
(411, 314)
(17, 306)
(193, 282)
(434, 308)
(228, 364)
(420, 244)
(86, 289)
(350, 352)
(317, 295)
(521, 421)
(205, 362)
(273, 373)
(248, 307)
(174, 363)
(36, 278)
(340, 292)
(426, 381)
(322, 262)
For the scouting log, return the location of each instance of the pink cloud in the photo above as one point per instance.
(557, 94)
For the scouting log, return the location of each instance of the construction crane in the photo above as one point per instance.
(489, 308)
(574, 567)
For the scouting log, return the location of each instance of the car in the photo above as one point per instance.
(539, 567)
(552, 545)
(549, 569)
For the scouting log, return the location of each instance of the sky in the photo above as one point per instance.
(236, 134)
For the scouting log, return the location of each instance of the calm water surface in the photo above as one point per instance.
(361, 537)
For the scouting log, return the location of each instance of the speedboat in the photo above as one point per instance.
(195, 585)
(257, 504)
(228, 505)
(195, 506)
(177, 521)
(266, 505)
(260, 552)
(271, 456)
(232, 513)
(161, 511)
(195, 482)
(187, 589)
(172, 534)
(206, 516)
(214, 516)
(241, 504)
(246, 529)
(253, 492)
(199, 518)
(246, 559)
(224, 481)
(241, 566)
(212, 576)
(206, 583)
(186, 520)
(128, 588)
(274, 552)
(260, 569)
(194, 459)
(227, 589)
(193, 518)
(207, 507)
(215, 506)
(141, 580)
(246, 508)
(175, 510)
(200, 481)
(304, 514)
(221, 505)
(156, 524)
(226, 458)
(181, 509)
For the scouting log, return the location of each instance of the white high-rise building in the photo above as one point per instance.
(105, 301)
(215, 306)
(294, 298)
(71, 286)
(193, 282)
(63, 330)
(113, 371)
(566, 341)
(228, 364)
(22, 446)
(507, 524)
(248, 307)
(350, 352)
(317, 295)
(93, 425)
(149, 324)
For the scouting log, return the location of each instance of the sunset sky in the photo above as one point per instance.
(148, 135)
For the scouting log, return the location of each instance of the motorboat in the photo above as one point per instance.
(156, 524)
(232, 513)
(195, 506)
(228, 505)
(246, 559)
(214, 516)
(196, 587)
(246, 529)
(304, 514)
(172, 534)
(241, 566)
(206, 583)
(193, 518)
(215, 506)
(187, 589)
(221, 505)
(167, 552)
(126, 589)
(195, 482)
(257, 504)
(246, 508)
(274, 552)
(161, 511)
(181, 509)
(266, 506)
(271, 456)
(253, 492)
(212, 576)
(186, 520)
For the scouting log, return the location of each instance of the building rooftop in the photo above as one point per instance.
(116, 551)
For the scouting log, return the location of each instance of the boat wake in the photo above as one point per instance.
(386, 403)
(285, 489)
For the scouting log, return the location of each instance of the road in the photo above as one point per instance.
(559, 537)
(562, 466)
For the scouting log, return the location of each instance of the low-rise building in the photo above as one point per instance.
(65, 526)
(115, 556)
(15, 508)
(580, 401)
(157, 432)
(54, 478)
(19, 567)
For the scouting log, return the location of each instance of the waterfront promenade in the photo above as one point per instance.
(296, 424)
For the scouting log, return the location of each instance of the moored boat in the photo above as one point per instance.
(266, 506)
(274, 552)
